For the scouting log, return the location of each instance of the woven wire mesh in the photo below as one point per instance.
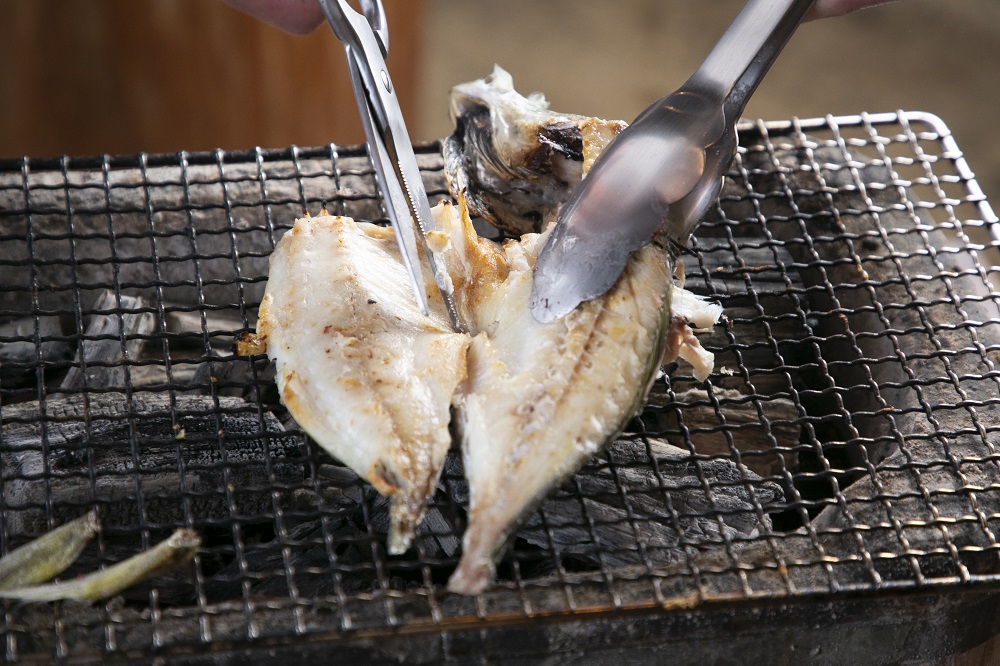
(846, 440)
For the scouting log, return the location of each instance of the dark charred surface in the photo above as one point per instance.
(914, 421)
(116, 333)
(146, 459)
(564, 138)
(513, 197)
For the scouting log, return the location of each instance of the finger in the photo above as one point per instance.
(298, 17)
(830, 8)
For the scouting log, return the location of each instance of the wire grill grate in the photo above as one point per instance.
(846, 442)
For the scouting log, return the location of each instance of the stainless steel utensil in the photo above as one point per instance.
(366, 39)
(662, 173)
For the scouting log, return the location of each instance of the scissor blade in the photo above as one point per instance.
(403, 227)
(408, 173)
(397, 204)
(389, 146)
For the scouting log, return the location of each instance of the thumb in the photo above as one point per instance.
(829, 8)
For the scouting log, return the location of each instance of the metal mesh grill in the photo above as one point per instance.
(845, 443)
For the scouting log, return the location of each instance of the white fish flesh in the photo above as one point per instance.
(372, 380)
(358, 366)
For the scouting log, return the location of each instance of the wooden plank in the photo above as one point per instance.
(119, 76)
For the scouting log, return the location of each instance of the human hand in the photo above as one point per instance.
(830, 8)
(303, 16)
(298, 17)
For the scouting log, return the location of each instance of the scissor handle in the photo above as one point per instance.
(346, 22)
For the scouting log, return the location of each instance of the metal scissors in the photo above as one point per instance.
(366, 40)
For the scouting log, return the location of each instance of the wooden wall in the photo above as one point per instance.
(121, 76)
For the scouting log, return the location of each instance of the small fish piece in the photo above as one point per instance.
(47, 556)
(172, 552)
(359, 367)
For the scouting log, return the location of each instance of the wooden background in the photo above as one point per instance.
(122, 76)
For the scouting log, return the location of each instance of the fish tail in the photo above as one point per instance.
(472, 575)
(476, 568)
(406, 511)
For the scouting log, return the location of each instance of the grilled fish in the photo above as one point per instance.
(368, 376)
(373, 381)
(540, 400)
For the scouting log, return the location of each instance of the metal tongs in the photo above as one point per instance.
(663, 172)
(366, 40)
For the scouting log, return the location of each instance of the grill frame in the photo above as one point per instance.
(649, 601)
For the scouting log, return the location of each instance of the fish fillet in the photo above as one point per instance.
(374, 382)
(358, 366)
(541, 399)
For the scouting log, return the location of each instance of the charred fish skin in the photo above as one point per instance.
(541, 399)
(512, 159)
(358, 366)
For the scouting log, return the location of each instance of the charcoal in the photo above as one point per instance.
(764, 320)
(651, 494)
(918, 429)
(626, 499)
(319, 558)
(189, 221)
(250, 378)
(338, 554)
(883, 306)
(127, 455)
(737, 424)
(152, 374)
(225, 375)
(304, 559)
(201, 354)
(761, 330)
(189, 330)
(20, 356)
(113, 336)
(435, 535)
